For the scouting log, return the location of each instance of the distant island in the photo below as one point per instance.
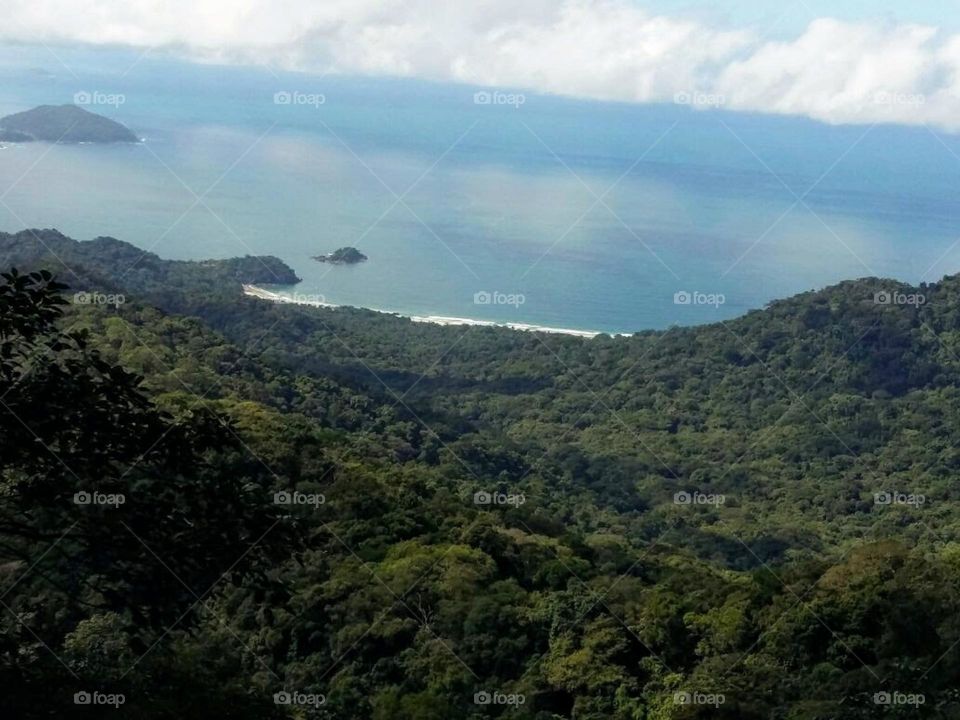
(62, 123)
(343, 256)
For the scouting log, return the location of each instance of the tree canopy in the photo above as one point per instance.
(371, 518)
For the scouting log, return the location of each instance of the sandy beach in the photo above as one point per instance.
(259, 292)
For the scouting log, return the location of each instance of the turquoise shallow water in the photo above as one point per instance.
(595, 215)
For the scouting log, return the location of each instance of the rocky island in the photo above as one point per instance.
(62, 123)
(342, 256)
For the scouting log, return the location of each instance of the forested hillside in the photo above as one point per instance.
(385, 519)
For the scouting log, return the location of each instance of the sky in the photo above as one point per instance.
(845, 61)
(779, 18)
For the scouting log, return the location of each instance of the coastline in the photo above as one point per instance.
(259, 292)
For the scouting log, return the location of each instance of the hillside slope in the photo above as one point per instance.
(764, 510)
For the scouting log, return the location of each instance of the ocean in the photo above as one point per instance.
(484, 203)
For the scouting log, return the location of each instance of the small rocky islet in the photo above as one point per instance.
(342, 256)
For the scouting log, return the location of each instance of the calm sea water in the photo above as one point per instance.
(594, 215)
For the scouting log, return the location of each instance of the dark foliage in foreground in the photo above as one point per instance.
(825, 585)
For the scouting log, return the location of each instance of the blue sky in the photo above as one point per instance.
(782, 18)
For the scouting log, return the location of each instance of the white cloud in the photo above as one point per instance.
(840, 72)
(605, 49)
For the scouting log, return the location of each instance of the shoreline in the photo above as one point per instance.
(258, 292)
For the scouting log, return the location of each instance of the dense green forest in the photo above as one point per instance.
(217, 506)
